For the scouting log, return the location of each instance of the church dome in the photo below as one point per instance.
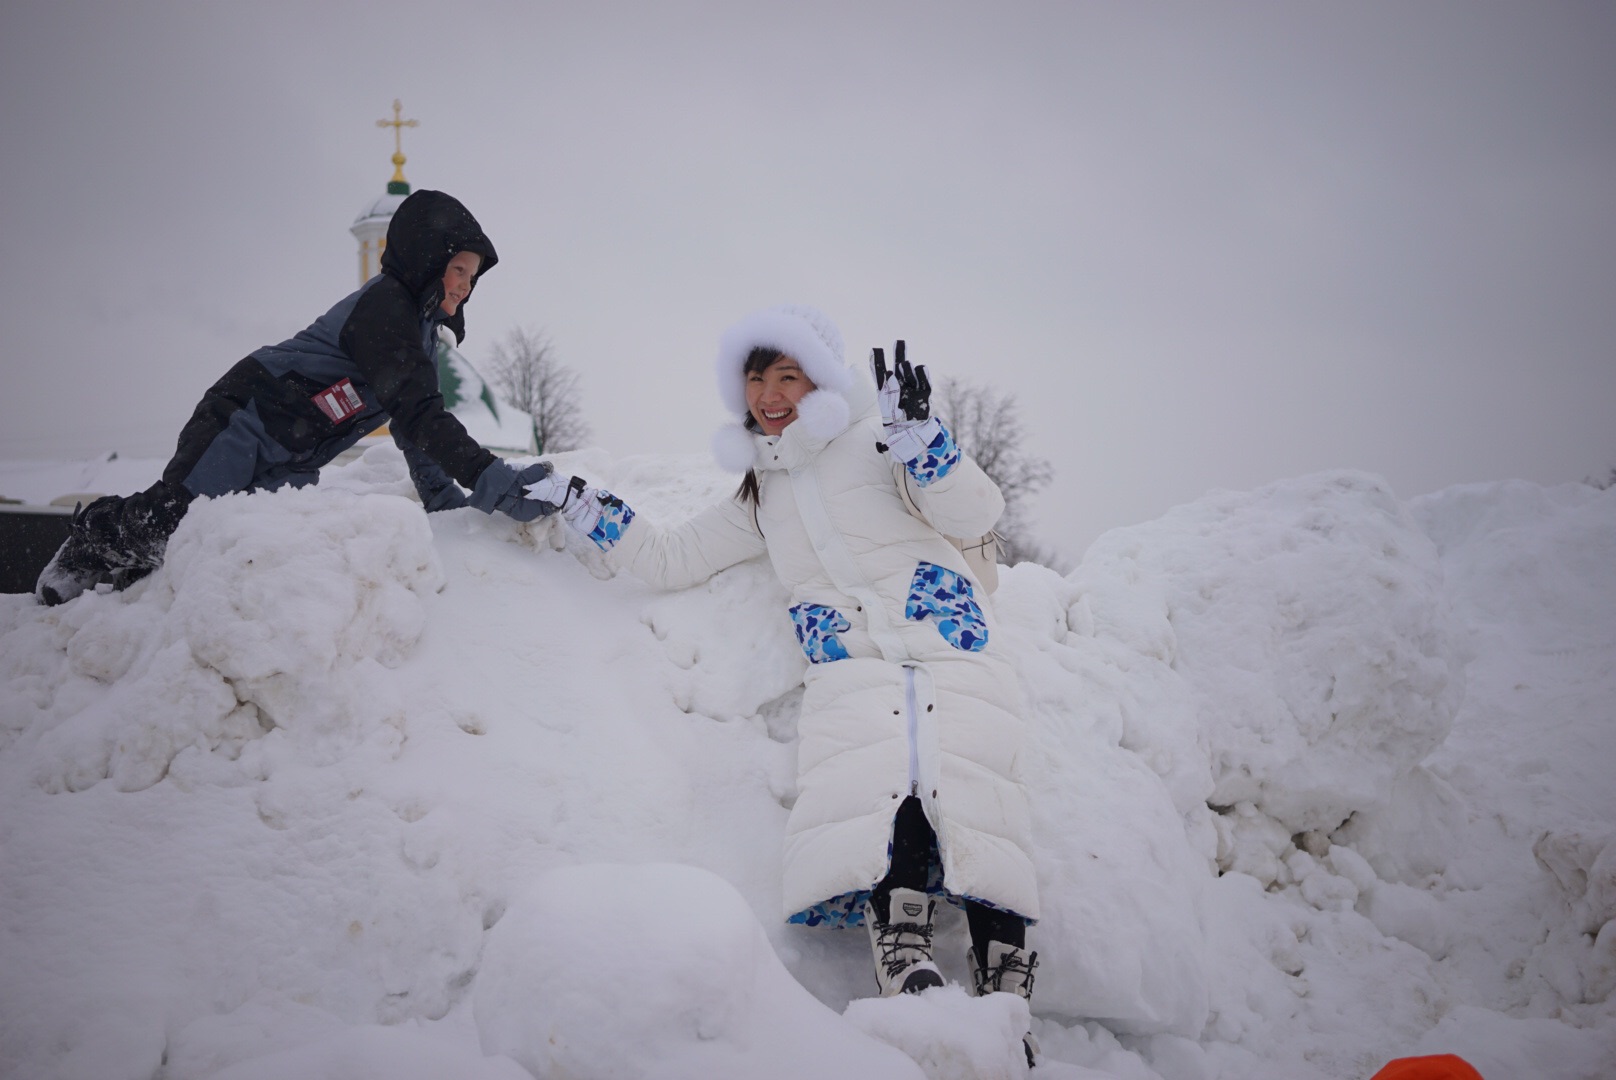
(380, 207)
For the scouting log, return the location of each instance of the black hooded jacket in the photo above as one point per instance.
(259, 426)
(383, 334)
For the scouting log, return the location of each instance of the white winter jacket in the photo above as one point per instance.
(891, 706)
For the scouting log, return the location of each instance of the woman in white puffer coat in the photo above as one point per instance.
(910, 728)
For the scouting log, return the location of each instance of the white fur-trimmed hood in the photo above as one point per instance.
(807, 336)
(803, 333)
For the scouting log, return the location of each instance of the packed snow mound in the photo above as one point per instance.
(1309, 622)
(372, 1052)
(1283, 654)
(670, 960)
(344, 789)
(1133, 934)
(268, 612)
(1529, 576)
(1551, 550)
(949, 1034)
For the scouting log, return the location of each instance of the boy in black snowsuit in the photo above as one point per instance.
(280, 414)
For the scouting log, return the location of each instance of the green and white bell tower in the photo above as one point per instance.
(370, 227)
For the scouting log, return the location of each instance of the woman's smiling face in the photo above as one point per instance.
(772, 394)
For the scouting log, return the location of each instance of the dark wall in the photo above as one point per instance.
(29, 536)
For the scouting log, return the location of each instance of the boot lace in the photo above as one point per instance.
(1015, 973)
(903, 944)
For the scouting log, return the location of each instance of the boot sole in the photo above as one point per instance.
(918, 981)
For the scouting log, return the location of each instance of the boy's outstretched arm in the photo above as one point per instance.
(383, 337)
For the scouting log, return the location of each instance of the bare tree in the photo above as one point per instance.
(1605, 484)
(987, 425)
(525, 371)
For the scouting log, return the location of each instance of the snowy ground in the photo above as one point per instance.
(1320, 778)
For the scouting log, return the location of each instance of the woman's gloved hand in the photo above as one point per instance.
(910, 432)
(598, 515)
(552, 489)
(904, 394)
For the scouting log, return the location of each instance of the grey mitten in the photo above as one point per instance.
(503, 488)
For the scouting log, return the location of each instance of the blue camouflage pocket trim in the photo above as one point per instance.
(939, 593)
(847, 910)
(817, 627)
(937, 462)
(838, 913)
(614, 518)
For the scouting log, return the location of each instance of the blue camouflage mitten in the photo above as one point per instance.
(590, 512)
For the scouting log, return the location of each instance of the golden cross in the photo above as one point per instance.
(397, 123)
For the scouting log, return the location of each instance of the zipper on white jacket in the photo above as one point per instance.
(914, 729)
(839, 565)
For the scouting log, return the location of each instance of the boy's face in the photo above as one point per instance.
(457, 279)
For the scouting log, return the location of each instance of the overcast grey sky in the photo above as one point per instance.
(1207, 245)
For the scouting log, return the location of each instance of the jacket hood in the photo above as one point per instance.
(807, 336)
(427, 230)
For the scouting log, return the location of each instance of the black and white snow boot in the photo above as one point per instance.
(902, 944)
(114, 541)
(83, 560)
(1010, 970)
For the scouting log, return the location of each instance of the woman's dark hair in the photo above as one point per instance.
(757, 360)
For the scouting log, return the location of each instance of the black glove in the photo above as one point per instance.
(904, 395)
(447, 497)
(437, 489)
(502, 488)
(911, 397)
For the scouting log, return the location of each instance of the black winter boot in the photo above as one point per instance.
(114, 541)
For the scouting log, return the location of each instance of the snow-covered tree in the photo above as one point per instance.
(528, 375)
(987, 425)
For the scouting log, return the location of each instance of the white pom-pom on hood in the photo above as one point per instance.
(824, 413)
(734, 448)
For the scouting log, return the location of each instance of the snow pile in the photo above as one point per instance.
(949, 1034)
(671, 961)
(346, 791)
(1309, 622)
(1282, 654)
(269, 613)
(368, 1052)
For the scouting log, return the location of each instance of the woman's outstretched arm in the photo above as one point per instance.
(673, 558)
